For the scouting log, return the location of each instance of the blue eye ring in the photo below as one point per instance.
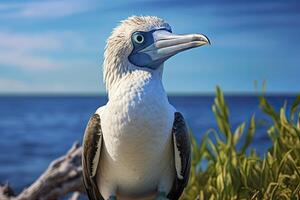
(138, 38)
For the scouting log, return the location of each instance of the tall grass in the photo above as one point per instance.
(222, 171)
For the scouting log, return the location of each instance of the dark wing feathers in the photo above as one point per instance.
(92, 142)
(183, 146)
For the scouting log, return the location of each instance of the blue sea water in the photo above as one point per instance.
(34, 130)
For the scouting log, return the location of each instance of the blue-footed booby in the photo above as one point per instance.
(137, 146)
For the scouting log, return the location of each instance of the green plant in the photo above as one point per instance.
(238, 173)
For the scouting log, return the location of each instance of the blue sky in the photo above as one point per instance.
(57, 46)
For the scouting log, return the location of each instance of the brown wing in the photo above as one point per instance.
(92, 142)
(182, 154)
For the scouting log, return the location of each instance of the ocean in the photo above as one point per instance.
(34, 130)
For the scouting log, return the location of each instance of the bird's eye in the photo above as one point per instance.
(138, 38)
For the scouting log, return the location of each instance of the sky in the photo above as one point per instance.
(56, 46)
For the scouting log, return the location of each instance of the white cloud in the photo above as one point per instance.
(46, 9)
(8, 85)
(11, 85)
(26, 60)
(33, 51)
(30, 61)
(43, 41)
(28, 42)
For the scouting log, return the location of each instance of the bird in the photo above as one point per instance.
(137, 146)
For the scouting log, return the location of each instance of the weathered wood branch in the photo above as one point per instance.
(75, 196)
(62, 177)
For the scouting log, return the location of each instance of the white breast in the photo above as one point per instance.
(136, 124)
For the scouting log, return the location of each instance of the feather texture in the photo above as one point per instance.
(90, 159)
(182, 153)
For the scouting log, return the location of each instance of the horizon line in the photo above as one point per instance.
(101, 94)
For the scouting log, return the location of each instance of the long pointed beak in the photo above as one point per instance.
(167, 44)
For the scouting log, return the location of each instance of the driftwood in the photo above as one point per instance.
(62, 177)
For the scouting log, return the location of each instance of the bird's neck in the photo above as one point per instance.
(138, 83)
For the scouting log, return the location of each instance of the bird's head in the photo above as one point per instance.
(143, 43)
